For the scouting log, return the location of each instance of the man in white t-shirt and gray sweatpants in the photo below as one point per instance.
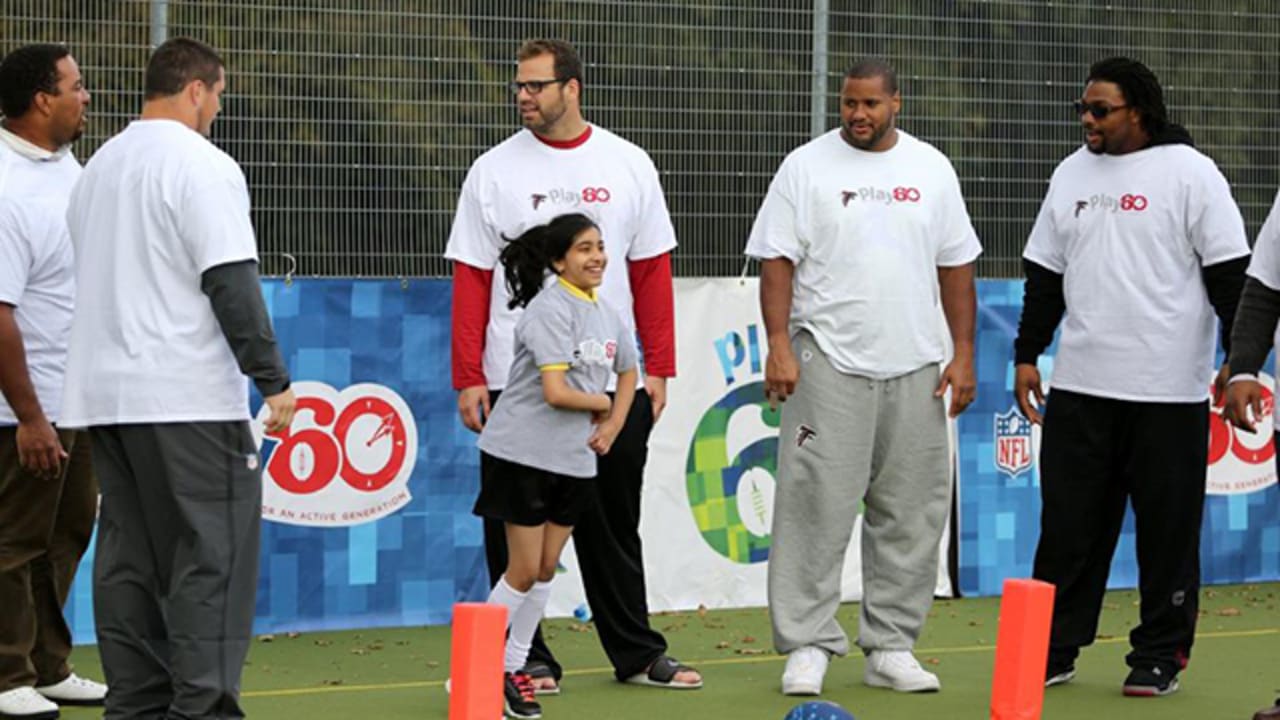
(48, 494)
(862, 231)
(1137, 245)
(169, 321)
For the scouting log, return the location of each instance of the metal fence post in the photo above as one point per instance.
(159, 22)
(818, 97)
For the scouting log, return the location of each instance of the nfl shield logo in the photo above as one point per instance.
(1013, 442)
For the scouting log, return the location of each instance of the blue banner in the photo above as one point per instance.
(367, 499)
(999, 484)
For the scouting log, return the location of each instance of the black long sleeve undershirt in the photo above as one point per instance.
(1043, 305)
(1255, 326)
(1224, 282)
(236, 296)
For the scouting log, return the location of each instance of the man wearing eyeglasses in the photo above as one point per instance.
(1137, 245)
(560, 163)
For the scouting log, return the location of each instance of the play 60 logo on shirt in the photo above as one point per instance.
(345, 460)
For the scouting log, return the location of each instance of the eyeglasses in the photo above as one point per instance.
(1097, 110)
(533, 86)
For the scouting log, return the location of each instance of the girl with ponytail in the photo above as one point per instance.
(539, 446)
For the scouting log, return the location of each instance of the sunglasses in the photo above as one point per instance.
(1097, 110)
(533, 86)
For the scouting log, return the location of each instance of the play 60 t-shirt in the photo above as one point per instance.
(867, 232)
(1130, 234)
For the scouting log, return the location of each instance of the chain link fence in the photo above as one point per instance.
(356, 122)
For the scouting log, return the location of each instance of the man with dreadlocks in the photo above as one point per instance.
(1137, 245)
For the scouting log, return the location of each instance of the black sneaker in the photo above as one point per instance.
(1059, 674)
(1150, 682)
(517, 687)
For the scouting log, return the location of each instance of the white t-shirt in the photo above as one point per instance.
(524, 182)
(36, 274)
(157, 205)
(867, 232)
(1130, 234)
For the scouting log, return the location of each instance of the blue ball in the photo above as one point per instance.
(818, 710)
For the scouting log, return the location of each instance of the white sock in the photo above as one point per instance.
(524, 623)
(513, 600)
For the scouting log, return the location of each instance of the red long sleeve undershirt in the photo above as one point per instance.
(654, 307)
(468, 320)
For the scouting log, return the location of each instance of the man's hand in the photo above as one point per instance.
(1243, 396)
(473, 406)
(657, 389)
(39, 450)
(962, 381)
(1220, 384)
(282, 405)
(1026, 385)
(781, 373)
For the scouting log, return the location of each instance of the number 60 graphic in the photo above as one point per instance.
(363, 435)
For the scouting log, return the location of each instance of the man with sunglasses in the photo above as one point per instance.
(560, 163)
(1137, 245)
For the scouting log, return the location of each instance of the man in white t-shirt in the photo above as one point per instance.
(560, 163)
(862, 235)
(1137, 245)
(48, 494)
(1253, 335)
(169, 321)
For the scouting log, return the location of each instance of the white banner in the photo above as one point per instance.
(708, 492)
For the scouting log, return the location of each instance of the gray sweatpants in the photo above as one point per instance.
(176, 566)
(844, 440)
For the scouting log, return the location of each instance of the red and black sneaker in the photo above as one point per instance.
(1153, 682)
(518, 689)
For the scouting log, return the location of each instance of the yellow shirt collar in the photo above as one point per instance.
(589, 296)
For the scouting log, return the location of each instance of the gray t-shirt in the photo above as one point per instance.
(561, 326)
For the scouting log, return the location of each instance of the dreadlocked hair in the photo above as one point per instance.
(527, 259)
(1140, 86)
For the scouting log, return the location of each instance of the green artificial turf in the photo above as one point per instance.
(399, 673)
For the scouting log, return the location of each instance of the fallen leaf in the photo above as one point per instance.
(266, 638)
(323, 643)
(293, 635)
(433, 663)
(975, 623)
(331, 683)
(1100, 636)
(747, 640)
(932, 661)
(1229, 612)
(359, 651)
(751, 651)
(702, 610)
(722, 645)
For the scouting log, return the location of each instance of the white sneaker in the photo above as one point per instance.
(899, 670)
(25, 703)
(75, 690)
(806, 667)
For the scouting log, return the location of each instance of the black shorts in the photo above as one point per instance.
(523, 495)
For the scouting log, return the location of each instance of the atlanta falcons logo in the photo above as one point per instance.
(1080, 205)
(537, 199)
(804, 434)
(846, 196)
